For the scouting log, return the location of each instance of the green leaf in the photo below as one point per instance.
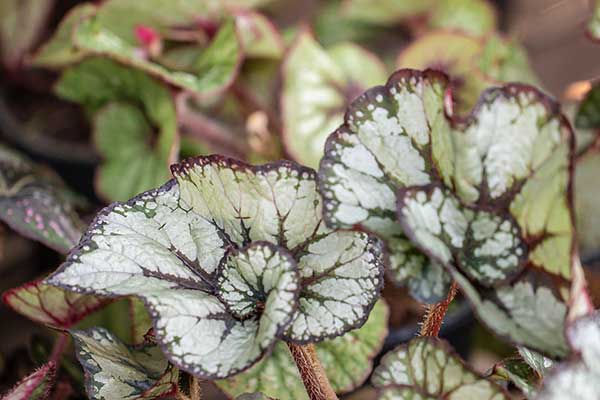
(538, 362)
(116, 371)
(505, 60)
(427, 368)
(593, 26)
(201, 252)
(133, 160)
(518, 372)
(35, 386)
(486, 196)
(259, 37)
(588, 115)
(384, 12)
(318, 84)
(578, 377)
(33, 202)
(59, 50)
(50, 305)
(475, 17)
(214, 70)
(347, 360)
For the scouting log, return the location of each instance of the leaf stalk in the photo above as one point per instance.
(312, 373)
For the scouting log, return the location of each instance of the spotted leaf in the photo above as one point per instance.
(347, 360)
(114, 370)
(33, 202)
(35, 386)
(318, 84)
(487, 196)
(229, 258)
(426, 368)
(577, 377)
(50, 305)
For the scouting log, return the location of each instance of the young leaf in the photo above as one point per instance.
(318, 84)
(488, 196)
(59, 51)
(538, 362)
(116, 371)
(518, 372)
(121, 131)
(505, 60)
(215, 69)
(347, 360)
(33, 203)
(475, 17)
(194, 250)
(427, 368)
(259, 36)
(35, 386)
(384, 12)
(578, 377)
(50, 305)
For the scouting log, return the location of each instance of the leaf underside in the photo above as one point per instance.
(486, 196)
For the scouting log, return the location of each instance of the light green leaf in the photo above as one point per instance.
(258, 35)
(384, 12)
(505, 60)
(518, 372)
(213, 70)
(347, 360)
(35, 386)
(427, 368)
(593, 27)
(122, 132)
(50, 305)
(486, 196)
(201, 253)
(586, 202)
(475, 17)
(116, 371)
(578, 377)
(59, 50)
(318, 84)
(34, 202)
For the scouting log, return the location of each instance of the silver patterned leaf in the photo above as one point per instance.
(427, 368)
(229, 258)
(114, 370)
(487, 196)
(577, 378)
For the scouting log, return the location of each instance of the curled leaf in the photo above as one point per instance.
(229, 259)
(427, 368)
(116, 371)
(487, 196)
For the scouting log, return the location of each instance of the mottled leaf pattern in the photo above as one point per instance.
(33, 203)
(347, 361)
(426, 368)
(487, 196)
(578, 377)
(517, 371)
(116, 371)
(35, 386)
(318, 85)
(50, 305)
(229, 258)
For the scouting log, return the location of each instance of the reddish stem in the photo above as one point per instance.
(434, 317)
(312, 373)
(59, 348)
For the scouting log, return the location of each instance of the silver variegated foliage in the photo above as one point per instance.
(229, 259)
(486, 196)
(578, 378)
(426, 368)
(116, 371)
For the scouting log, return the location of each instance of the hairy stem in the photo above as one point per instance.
(312, 373)
(195, 390)
(434, 317)
(59, 347)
